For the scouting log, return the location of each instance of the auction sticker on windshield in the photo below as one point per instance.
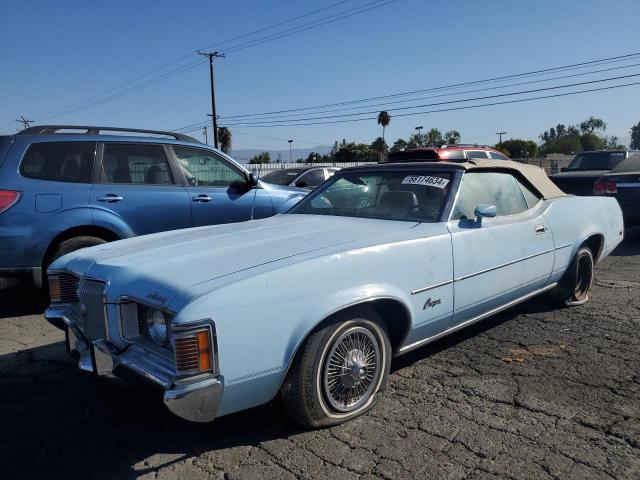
(429, 181)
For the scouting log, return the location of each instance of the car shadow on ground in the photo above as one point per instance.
(17, 300)
(630, 245)
(65, 423)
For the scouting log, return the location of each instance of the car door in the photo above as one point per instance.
(497, 260)
(136, 192)
(218, 190)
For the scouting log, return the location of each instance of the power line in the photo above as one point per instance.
(314, 24)
(93, 100)
(486, 97)
(451, 86)
(466, 107)
(519, 75)
(562, 77)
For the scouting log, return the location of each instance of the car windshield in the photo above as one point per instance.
(417, 196)
(596, 161)
(282, 177)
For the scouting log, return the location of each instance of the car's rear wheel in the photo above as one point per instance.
(575, 287)
(340, 372)
(75, 243)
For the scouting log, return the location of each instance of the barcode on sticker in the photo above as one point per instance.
(429, 181)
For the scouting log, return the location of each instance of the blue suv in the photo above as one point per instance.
(67, 187)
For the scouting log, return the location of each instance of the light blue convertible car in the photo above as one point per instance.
(312, 305)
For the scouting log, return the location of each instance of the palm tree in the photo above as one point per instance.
(224, 137)
(384, 119)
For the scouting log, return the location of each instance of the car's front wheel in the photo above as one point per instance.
(340, 372)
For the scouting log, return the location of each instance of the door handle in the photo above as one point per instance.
(110, 198)
(202, 198)
(540, 229)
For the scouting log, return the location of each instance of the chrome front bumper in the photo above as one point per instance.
(194, 399)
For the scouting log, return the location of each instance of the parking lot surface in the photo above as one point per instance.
(535, 392)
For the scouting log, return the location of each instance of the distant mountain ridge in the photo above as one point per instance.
(244, 155)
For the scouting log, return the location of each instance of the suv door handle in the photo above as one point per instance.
(540, 229)
(202, 198)
(110, 198)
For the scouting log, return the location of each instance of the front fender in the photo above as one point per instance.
(263, 318)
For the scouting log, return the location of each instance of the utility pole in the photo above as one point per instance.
(25, 123)
(500, 136)
(214, 118)
(290, 142)
(206, 138)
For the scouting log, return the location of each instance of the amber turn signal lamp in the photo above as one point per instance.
(54, 289)
(204, 350)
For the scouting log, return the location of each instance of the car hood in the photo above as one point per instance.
(168, 262)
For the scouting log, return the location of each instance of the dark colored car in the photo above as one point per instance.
(623, 183)
(587, 167)
(459, 152)
(303, 177)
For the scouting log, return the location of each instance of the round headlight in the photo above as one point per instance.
(157, 326)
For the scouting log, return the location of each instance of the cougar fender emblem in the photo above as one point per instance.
(430, 303)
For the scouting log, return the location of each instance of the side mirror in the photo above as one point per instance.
(483, 210)
(563, 169)
(252, 180)
(301, 184)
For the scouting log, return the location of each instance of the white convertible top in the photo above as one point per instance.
(535, 175)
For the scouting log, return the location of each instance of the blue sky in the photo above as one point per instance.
(56, 53)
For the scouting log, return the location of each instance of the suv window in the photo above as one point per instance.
(135, 163)
(476, 154)
(492, 188)
(497, 156)
(202, 167)
(312, 178)
(59, 161)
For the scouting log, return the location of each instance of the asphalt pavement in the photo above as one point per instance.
(535, 392)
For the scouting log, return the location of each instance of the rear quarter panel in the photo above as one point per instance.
(573, 219)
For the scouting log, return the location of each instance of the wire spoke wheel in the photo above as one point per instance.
(584, 278)
(351, 369)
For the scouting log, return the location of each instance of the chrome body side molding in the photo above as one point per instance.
(460, 326)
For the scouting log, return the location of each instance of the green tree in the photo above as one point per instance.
(356, 152)
(417, 140)
(635, 137)
(434, 138)
(592, 124)
(224, 138)
(400, 144)
(384, 119)
(591, 141)
(380, 146)
(263, 157)
(452, 137)
(518, 148)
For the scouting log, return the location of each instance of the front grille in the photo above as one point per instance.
(187, 356)
(92, 320)
(68, 287)
(144, 312)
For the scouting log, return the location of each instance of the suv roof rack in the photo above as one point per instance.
(474, 145)
(93, 130)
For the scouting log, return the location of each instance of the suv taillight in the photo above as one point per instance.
(7, 199)
(602, 187)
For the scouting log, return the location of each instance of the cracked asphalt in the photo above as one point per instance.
(532, 393)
